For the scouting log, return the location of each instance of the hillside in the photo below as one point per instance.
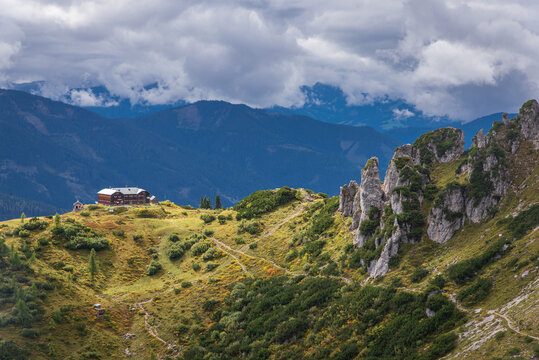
(278, 276)
(55, 153)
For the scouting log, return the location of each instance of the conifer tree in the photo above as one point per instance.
(57, 221)
(23, 216)
(218, 202)
(92, 265)
(24, 316)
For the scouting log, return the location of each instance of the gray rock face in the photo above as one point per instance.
(529, 122)
(479, 140)
(391, 179)
(445, 219)
(370, 194)
(380, 266)
(346, 198)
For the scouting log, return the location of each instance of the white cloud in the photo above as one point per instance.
(457, 57)
(402, 114)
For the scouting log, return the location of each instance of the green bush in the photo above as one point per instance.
(81, 242)
(207, 218)
(476, 292)
(175, 251)
(211, 266)
(263, 201)
(253, 246)
(137, 238)
(200, 248)
(85, 213)
(119, 233)
(173, 237)
(239, 240)
(153, 268)
(196, 266)
(418, 275)
(29, 333)
(208, 232)
(465, 269)
(10, 351)
(524, 222)
(253, 228)
(186, 284)
(210, 254)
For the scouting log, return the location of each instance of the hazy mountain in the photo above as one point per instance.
(55, 153)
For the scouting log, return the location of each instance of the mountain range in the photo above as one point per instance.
(56, 153)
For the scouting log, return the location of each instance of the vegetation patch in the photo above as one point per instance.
(263, 201)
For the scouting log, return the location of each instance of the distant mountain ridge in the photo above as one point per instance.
(55, 153)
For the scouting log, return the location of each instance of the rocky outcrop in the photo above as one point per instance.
(392, 177)
(483, 177)
(447, 215)
(442, 145)
(528, 119)
(370, 194)
(346, 198)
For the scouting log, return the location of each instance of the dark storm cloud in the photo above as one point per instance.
(455, 57)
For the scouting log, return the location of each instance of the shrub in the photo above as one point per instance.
(466, 269)
(475, 292)
(524, 221)
(81, 242)
(208, 232)
(23, 233)
(153, 268)
(137, 238)
(253, 246)
(10, 351)
(85, 213)
(239, 240)
(173, 237)
(30, 333)
(42, 241)
(263, 201)
(209, 305)
(210, 254)
(207, 218)
(196, 266)
(200, 248)
(211, 266)
(252, 228)
(93, 207)
(186, 284)
(118, 233)
(175, 251)
(418, 275)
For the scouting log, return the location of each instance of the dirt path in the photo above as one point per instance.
(225, 248)
(153, 332)
(510, 325)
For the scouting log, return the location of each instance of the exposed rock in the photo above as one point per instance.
(429, 312)
(346, 198)
(392, 178)
(370, 194)
(479, 140)
(380, 266)
(528, 119)
(447, 216)
(441, 145)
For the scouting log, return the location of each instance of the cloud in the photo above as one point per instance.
(436, 55)
(402, 114)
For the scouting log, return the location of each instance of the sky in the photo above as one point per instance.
(458, 58)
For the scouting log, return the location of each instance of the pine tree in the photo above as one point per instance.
(23, 216)
(57, 220)
(218, 202)
(92, 265)
(24, 316)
